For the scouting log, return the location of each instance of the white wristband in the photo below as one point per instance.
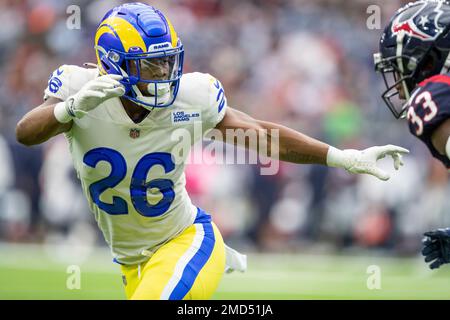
(335, 157)
(61, 113)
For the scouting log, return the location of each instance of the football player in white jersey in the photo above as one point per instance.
(118, 119)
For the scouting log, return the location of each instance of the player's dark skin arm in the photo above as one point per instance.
(40, 124)
(293, 146)
(440, 136)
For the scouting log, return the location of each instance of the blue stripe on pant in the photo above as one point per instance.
(200, 258)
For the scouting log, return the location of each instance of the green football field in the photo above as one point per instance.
(35, 272)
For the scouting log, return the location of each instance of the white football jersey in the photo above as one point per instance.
(134, 183)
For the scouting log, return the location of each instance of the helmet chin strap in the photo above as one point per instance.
(160, 93)
(160, 96)
(158, 88)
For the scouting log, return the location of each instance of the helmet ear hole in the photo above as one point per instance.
(105, 66)
(123, 65)
(429, 66)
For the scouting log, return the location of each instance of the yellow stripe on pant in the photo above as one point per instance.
(189, 266)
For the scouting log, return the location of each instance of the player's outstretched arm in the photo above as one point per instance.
(55, 116)
(296, 147)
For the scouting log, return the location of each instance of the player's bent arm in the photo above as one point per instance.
(441, 138)
(296, 147)
(56, 116)
(40, 124)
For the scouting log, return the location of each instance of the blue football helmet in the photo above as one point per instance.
(138, 41)
(414, 46)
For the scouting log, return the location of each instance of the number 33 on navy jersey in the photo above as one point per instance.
(428, 108)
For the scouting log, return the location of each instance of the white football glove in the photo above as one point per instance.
(92, 94)
(365, 161)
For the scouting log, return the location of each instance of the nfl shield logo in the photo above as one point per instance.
(135, 133)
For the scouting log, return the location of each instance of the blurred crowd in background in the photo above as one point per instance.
(303, 63)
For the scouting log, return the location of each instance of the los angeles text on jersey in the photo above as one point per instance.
(226, 309)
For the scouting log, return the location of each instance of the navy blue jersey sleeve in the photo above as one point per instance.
(428, 108)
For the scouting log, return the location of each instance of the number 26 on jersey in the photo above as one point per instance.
(138, 186)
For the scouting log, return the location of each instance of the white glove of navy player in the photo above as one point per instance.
(365, 161)
(92, 94)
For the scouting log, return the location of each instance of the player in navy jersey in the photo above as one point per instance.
(414, 60)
